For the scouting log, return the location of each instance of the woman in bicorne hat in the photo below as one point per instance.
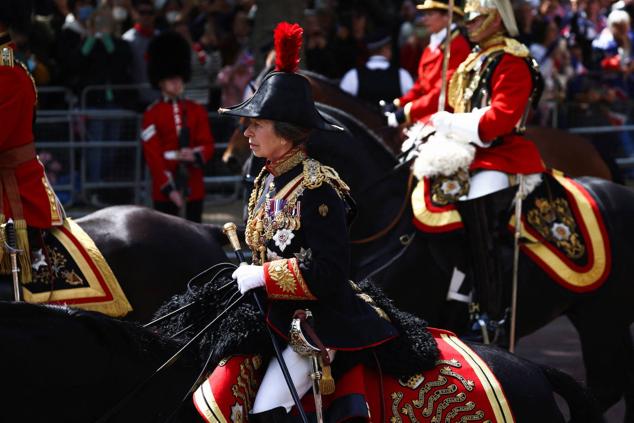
(297, 229)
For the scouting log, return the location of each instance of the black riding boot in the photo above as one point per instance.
(485, 220)
(276, 415)
(6, 288)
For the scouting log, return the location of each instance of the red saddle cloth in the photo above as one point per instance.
(68, 268)
(562, 228)
(460, 388)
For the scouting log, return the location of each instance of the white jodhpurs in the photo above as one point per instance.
(274, 392)
(487, 181)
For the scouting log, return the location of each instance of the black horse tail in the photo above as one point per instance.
(583, 407)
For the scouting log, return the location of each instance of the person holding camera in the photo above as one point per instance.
(177, 141)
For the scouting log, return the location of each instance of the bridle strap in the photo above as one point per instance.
(397, 218)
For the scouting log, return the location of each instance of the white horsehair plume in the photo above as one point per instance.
(441, 155)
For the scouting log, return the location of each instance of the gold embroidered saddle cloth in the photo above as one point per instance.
(562, 228)
(68, 268)
(460, 388)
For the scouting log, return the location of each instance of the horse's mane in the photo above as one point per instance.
(321, 78)
(336, 113)
(136, 339)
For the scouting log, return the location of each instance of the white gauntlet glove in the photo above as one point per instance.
(249, 276)
(461, 127)
(442, 122)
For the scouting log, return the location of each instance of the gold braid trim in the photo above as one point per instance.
(24, 256)
(316, 173)
(463, 77)
(5, 262)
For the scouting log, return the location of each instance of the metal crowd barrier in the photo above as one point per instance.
(89, 151)
(94, 155)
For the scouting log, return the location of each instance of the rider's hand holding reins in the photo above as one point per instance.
(248, 276)
(460, 126)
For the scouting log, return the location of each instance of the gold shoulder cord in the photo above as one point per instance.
(23, 66)
(316, 173)
(466, 78)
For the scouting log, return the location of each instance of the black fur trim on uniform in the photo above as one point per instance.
(169, 55)
(240, 331)
(414, 350)
(16, 14)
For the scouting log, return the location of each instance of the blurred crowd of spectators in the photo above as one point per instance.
(584, 47)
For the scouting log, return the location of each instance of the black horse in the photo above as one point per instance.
(152, 254)
(71, 366)
(417, 269)
(63, 365)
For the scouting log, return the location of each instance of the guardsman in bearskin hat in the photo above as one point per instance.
(491, 93)
(421, 101)
(177, 141)
(27, 196)
(297, 230)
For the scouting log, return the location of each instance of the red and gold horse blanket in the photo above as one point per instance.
(461, 387)
(562, 229)
(68, 268)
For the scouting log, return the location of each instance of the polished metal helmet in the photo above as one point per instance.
(475, 8)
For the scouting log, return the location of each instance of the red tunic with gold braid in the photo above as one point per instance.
(421, 101)
(504, 82)
(162, 122)
(26, 192)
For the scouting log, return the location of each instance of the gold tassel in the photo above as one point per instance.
(24, 256)
(5, 260)
(326, 383)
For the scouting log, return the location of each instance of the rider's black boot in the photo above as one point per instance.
(6, 288)
(484, 221)
(276, 415)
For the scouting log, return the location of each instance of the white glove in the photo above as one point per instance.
(442, 122)
(461, 127)
(392, 122)
(249, 276)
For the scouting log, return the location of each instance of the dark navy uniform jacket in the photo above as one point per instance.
(298, 230)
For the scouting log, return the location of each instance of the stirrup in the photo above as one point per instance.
(486, 330)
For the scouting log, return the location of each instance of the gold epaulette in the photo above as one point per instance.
(514, 47)
(6, 57)
(316, 173)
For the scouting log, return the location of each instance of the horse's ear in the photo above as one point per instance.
(288, 42)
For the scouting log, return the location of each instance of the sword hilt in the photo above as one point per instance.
(231, 230)
(11, 238)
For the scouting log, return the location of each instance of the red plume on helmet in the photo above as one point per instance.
(288, 42)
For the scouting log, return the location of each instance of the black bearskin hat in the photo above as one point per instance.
(169, 55)
(16, 14)
(284, 95)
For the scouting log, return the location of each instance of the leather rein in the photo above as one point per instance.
(381, 233)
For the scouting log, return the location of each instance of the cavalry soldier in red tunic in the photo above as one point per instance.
(177, 141)
(26, 195)
(421, 101)
(491, 93)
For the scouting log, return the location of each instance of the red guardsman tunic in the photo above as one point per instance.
(26, 192)
(421, 101)
(505, 72)
(161, 123)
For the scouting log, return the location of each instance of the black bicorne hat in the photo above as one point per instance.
(16, 14)
(284, 95)
(169, 55)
